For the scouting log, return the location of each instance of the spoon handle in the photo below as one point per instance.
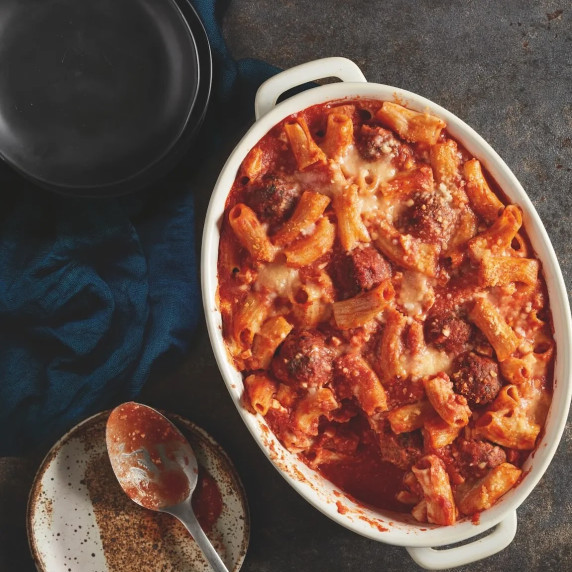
(184, 512)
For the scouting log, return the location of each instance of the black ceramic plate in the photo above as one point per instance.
(97, 97)
(203, 95)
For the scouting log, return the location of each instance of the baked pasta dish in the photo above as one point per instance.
(382, 301)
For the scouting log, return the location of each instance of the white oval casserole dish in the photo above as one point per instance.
(386, 527)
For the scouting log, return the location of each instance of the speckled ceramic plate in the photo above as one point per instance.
(79, 519)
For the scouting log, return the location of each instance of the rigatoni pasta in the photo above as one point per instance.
(386, 310)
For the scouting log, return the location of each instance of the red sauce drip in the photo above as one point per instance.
(207, 500)
(342, 509)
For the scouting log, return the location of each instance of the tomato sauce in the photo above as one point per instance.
(368, 479)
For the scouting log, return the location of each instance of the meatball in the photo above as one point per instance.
(373, 142)
(476, 377)
(358, 270)
(272, 199)
(430, 218)
(475, 457)
(304, 358)
(447, 331)
(401, 450)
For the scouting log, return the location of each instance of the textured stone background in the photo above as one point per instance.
(505, 68)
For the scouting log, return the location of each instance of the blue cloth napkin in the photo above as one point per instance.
(97, 295)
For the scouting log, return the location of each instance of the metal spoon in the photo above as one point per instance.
(157, 468)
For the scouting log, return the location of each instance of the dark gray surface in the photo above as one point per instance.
(503, 67)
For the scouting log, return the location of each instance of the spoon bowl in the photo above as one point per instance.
(156, 467)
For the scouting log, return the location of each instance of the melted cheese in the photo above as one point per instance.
(369, 174)
(416, 295)
(279, 279)
(371, 177)
(319, 181)
(429, 362)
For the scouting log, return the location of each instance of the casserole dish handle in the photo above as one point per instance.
(269, 92)
(434, 559)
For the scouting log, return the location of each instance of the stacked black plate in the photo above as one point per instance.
(100, 98)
